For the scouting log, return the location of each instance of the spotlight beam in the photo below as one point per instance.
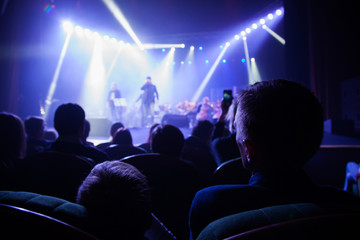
(274, 34)
(55, 78)
(209, 74)
(248, 66)
(115, 10)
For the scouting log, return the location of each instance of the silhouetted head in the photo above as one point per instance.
(118, 200)
(34, 127)
(12, 137)
(279, 124)
(69, 120)
(115, 126)
(203, 130)
(167, 140)
(122, 136)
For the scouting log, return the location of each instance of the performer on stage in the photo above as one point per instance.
(114, 104)
(148, 101)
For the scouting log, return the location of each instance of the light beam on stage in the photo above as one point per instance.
(92, 96)
(274, 34)
(55, 78)
(248, 64)
(255, 71)
(209, 74)
(115, 10)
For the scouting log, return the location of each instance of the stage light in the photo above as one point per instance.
(163, 50)
(270, 16)
(106, 37)
(172, 49)
(244, 38)
(182, 46)
(237, 37)
(182, 62)
(262, 21)
(254, 26)
(200, 48)
(221, 46)
(68, 27)
(224, 60)
(247, 30)
(278, 12)
(264, 26)
(189, 62)
(243, 60)
(79, 31)
(115, 10)
(113, 40)
(252, 59)
(242, 33)
(275, 35)
(206, 61)
(192, 48)
(227, 44)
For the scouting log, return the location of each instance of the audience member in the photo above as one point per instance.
(69, 122)
(147, 145)
(115, 126)
(12, 147)
(117, 197)
(279, 127)
(35, 129)
(122, 145)
(50, 135)
(173, 181)
(196, 150)
(223, 146)
(87, 128)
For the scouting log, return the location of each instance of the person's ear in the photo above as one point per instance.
(249, 150)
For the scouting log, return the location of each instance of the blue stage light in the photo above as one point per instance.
(243, 60)
(163, 50)
(200, 48)
(206, 61)
(224, 60)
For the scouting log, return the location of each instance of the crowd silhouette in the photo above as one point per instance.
(273, 128)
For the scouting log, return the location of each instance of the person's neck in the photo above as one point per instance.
(71, 139)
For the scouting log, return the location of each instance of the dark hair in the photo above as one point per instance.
(283, 119)
(69, 119)
(203, 129)
(118, 200)
(34, 126)
(122, 136)
(148, 77)
(12, 137)
(115, 126)
(167, 140)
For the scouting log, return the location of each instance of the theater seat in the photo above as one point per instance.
(118, 151)
(231, 172)
(291, 221)
(19, 223)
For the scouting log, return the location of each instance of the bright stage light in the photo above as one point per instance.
(237, 37)
(278, 12)
(221, 46)
(206, 61)
(182, 62)
(244, 38)
(192, 48)
(262, 21)
(255, 71)
(247, 30)
(243, 60)
(200, 48)
(163, 50)
(275, 35)
(224, 60)
(163, 47)
(254, 26)
(189, 62)
(242, 33)
(270, 16)
(252, 59)
(115, 10)
(227, 44)
(106, 37)
(172, 49)
(68, 27)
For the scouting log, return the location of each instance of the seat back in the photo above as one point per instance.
(53, 173)
(19, 222)
(332, 226)
(119, 151)
(173, 184)
(231, 172)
